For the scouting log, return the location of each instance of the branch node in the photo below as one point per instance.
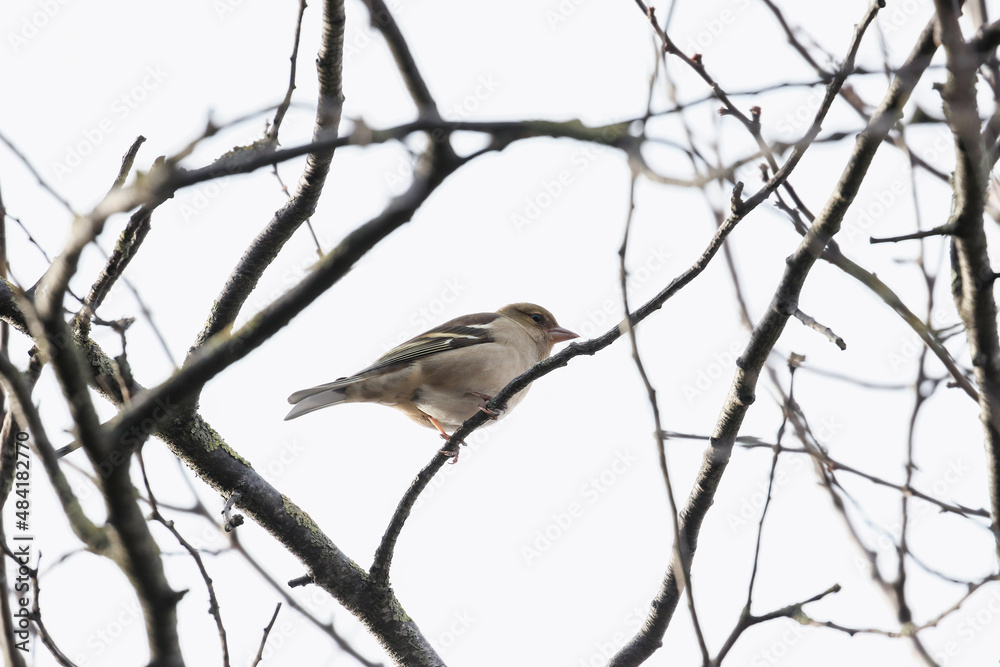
(232, 520)
(736, 203)
(825, 330)
(755, 112)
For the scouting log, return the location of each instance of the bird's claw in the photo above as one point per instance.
(452, 452)
(486, 398)
(492, 414)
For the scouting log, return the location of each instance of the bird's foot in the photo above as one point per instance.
(447, 452)
(486, 398)
(452, 452)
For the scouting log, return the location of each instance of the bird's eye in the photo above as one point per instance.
(535, 317)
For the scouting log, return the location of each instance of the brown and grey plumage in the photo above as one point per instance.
(443, 376)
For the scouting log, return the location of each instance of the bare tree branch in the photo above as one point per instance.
(213, 601)
(267, 631)
(811, 322)
(974, 288)
(767, 331)
(262, 251)
(43, 632)
(382, 18)
(682, 551)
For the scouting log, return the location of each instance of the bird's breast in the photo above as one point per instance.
(454, 380)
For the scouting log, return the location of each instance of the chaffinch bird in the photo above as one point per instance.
(443, 376)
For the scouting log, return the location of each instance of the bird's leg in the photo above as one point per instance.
(447, 452)
(486, 398)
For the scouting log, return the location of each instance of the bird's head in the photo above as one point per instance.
(539, 322)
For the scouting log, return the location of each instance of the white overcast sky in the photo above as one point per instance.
(546, 543)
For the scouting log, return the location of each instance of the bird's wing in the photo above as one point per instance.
(457, 333)
(460, 332)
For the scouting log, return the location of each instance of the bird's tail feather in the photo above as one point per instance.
(310, 400)
(336, 384)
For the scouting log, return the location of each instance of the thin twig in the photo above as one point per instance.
(38, 177)
(681, 552)
(213, 601)
(825, 330)
(36, 617)
(267, 629)
(279, 114)
(943, 230)
(127, 162)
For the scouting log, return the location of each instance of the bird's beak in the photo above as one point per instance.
(558, 334)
